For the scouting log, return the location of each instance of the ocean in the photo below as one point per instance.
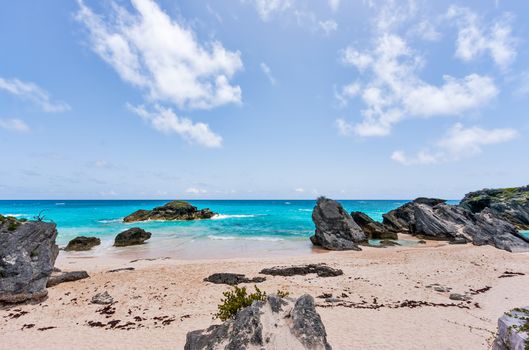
(238, 220)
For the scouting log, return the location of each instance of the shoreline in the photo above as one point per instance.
(170, 298)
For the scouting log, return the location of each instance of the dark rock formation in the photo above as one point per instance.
(277, 323)
(335, 229)
(175, 210)
(373, 229)
(434, 219)
(27, 255)
(232, 279)
(102, 298)
(512, 330)
(321, 270)
(132, 236)
(82, 243)
(509, 204)
(70, 276)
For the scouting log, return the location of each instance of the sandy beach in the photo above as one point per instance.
(384, 300)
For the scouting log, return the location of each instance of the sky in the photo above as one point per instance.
(262, 99)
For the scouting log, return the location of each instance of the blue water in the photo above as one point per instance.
(270, 220)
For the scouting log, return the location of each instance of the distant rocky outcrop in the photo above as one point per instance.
(82, 243)
(277, 323)
(373, 229)
(510, 204)
(27, 255)
(175, 210)
(335, 229)
(132, 236)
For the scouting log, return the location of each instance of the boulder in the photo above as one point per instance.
(232, 279)
(132, 236)
(513, 328)
(102, 299)
(335, 229)
(27, 255)
(373, 229)
(321, 270)
(61, 277)
(82, 243)
(175, 210)
(277, 323)
(509, 204)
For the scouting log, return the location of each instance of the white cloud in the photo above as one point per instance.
(393, 89)
(268, 72)
(334, 5)
(426, 30)
(344, 128)
(299, 190)
(474, 38)
(458, 143)
(166, 121)
(267, 8)
(328, 26)
(14, 124)
(347, 92)
(194, 190)
(162, 56)
(33, 93)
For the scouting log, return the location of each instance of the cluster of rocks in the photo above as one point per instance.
(276, 323)
(488, 217)
(175, 210)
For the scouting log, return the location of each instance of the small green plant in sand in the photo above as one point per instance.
(238, 298)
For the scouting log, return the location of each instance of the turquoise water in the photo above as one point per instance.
(525, 233)
(270, 220)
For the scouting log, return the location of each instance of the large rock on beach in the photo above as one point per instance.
(82, 243)
(175, 210)
(27, 255)
(277, 323)
(69, 276)
(510, 204)
(513, 330)
(335, 229)
(373, 229)
(132, 236)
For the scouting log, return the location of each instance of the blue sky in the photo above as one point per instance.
(262, 98)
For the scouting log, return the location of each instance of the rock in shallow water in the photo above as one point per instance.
(27, 255)
(277, 323)
(132, 236)
(335, 229)
(82, 243)
(175, 210)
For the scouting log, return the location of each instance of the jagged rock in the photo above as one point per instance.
(277, 323)
(175, 210)
(82, 243)
(509, 204)
(102, 298)
(232, 279)
(335, 229)
(434, 219)
(373, 229)
(321, 270)
(132, 236)
(70, 276)
(388, 243)
(512, 330)
(27, 255)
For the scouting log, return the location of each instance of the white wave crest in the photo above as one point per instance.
(15, 215)
(234, 216)
(109, 221)
(305, 209)
(226, 238)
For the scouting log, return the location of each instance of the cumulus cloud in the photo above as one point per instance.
(393, 90)
(163, 56)
(267, 8)
(14, 124)
(458, 143)
(166, 121)
(344, 127)
(328, 26)
(32, 92)
(476, 38)
(268, 72)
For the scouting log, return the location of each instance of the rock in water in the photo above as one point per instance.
(27, 255)
(512, 330)
(335, 229)
(82, 243)
(373, 229)
(175, 210)
(132, 236)
(510, 204)
(277, 323)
